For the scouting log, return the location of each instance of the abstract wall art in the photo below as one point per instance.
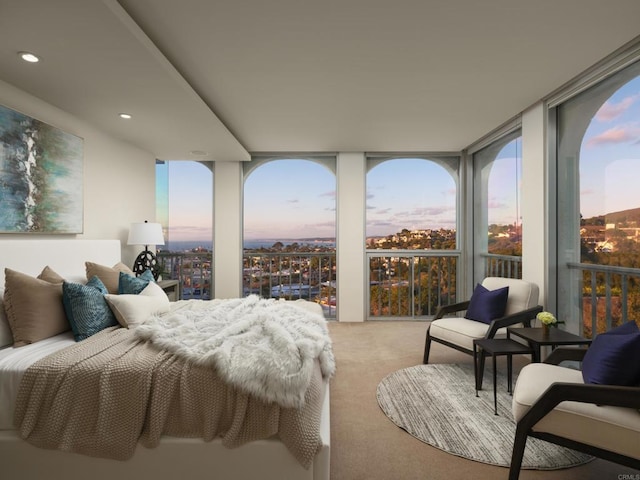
(41, 176)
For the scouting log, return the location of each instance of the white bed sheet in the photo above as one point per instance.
(14, 362)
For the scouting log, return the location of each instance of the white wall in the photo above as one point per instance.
(119, 179)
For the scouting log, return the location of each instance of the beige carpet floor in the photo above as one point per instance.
(366, 445)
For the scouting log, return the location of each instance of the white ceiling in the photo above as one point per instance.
(230, 77)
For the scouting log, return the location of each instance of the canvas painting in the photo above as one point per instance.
(40, 176)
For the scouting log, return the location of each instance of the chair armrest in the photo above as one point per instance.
(525, 316)
(561, 354)
(447, 309)
(612, 395)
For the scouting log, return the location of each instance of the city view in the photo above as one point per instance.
(306, 267)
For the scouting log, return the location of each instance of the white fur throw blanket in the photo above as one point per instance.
(264, 347)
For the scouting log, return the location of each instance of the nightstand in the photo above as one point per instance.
(171, 288)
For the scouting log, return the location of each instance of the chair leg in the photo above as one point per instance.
(427, 348)
(519, 445)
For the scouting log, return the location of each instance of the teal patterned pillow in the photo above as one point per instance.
(86, 308)
(128, 284)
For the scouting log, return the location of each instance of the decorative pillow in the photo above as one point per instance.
(110, 276)
(49, 275)
(130, 284)
(614, 357)
(6, 338)
(132, 310)
(87, 308)
(487, 305)
(33, 307)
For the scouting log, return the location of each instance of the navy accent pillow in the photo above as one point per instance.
(614, 357)
(128, 284)
(86, 308)
(487, 305)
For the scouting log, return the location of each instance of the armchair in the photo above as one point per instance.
(554, 404)
(459, 332)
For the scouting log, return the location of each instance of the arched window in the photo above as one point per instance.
(412, 234)
(598, 209)
(184, 206)
(289, 232)
(497, 220)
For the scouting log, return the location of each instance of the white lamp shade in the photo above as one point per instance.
(145, 234)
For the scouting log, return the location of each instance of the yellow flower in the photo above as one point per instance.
(546, 318)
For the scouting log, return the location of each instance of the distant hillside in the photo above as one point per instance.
(630, 216)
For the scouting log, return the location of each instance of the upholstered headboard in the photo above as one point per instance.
(66, 257)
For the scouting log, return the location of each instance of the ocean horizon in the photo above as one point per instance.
(188, 245)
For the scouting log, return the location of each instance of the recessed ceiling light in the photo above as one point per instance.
(200, 153)
(125, 116)
(28, 57)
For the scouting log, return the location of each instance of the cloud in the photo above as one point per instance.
(189, 232)
(293, 200)
(438, 210)
(618, 134)
(610, 111)
(383, 211)
(493, 203)
(331, 194)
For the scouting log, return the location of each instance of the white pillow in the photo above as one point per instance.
(134, 310)
(6, 337)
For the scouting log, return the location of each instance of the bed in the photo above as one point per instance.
(174, 457)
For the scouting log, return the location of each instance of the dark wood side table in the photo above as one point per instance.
(536, 337)
(496, 347)
(171, 288)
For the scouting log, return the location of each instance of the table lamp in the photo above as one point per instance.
(146, 234)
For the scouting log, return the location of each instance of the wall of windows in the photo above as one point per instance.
(184, 207)
(497, 219)
(598, 204)
(289, 229)
(412, 231)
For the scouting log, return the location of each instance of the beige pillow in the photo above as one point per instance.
(134, 310)
(34, 308)
(110, 276)
(50, 275)
(6, 337)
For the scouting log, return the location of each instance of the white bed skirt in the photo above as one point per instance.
(173, 459)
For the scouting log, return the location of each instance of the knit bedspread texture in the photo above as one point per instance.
(239, 369)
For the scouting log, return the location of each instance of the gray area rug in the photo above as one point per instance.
(437, 405)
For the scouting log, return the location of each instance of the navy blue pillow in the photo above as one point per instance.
(487, 305)
(86, 308)
(128, 284)
(614, 357)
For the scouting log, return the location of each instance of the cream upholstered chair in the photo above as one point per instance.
(554, 403)
(460, 332)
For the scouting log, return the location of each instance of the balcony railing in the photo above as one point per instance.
(403, 284)
(609, 296)
(410, 284)
(292, 275)
(506, 266)
(193, 269)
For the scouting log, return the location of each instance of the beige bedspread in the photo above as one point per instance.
(105, 394)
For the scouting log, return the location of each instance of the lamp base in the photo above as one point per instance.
(146, 261)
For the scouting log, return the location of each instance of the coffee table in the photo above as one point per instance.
(496, 347)
(536, 337)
